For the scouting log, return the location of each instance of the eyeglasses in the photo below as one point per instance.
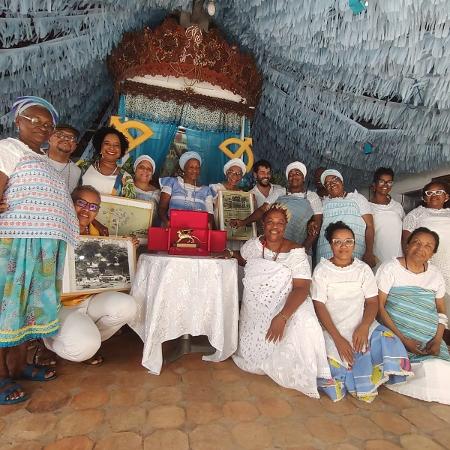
(436, 192)
(385, 183)
(235, 174)
(36, 122)
(343, 242)
(65, 137)
(334, 180)
(92, 207)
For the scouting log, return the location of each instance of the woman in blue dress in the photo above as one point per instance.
(184, 192)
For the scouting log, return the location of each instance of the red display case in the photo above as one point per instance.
(206, 240)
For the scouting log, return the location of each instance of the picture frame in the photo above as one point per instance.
(236, 205)
(125, 217)
(98, 264)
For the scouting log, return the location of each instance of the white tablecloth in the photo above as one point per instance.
(185, 295)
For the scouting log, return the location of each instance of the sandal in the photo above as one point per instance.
(96, 360)
(36, 373)
(40, 359)
(5, 395)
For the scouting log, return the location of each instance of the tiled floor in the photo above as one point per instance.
(205, 406)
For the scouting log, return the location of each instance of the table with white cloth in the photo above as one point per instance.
(178, 295)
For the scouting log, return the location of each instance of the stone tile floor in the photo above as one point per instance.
(205, 406)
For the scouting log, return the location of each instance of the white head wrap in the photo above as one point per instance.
(329, 172)
(144, 158)
(296, 165)
(235, 162)
(185, 157)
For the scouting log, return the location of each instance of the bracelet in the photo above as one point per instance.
(283, 316)
(230, 253)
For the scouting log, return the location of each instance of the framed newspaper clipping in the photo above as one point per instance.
(236, 205)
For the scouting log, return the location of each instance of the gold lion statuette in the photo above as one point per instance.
(185, 237)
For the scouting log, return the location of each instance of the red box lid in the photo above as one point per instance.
(180, 218)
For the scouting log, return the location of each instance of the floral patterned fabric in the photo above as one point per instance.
(30, 288)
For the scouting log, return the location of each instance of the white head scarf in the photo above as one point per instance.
(185, 157)
(296, 165)
(144, 158)
(235, 162)
(329, 172)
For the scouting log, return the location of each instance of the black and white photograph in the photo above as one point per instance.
(98, 264)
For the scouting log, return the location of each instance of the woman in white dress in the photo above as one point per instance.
(411, 292)
(279, 334)
(388, 215)
(362, 353)
(436, 217)
(144, 168)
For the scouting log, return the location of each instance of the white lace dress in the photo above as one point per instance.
(300, 357)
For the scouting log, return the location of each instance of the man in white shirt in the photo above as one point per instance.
(262, 171)
(62, 144)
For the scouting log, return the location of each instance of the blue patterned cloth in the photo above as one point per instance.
(386, 361)
(301, 212)
(346, 210)
(187, 197)
(30, 288)
(413, 310)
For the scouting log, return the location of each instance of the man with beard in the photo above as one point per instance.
(262, 172)
(62, 144)
(304, 207)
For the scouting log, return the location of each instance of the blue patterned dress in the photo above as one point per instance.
(34, 230)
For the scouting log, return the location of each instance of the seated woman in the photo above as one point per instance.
(88, 320)
(104, 174)
(144, 168)
(183, 192)
(351, 208)
(411, 297)
(279, 334)
(362, 353)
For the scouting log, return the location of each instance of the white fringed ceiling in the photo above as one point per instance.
(333, 81)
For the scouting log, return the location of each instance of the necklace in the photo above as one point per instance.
(275, 254)
(97, 167)
(193, 203)
(406, 265)
(58, 170)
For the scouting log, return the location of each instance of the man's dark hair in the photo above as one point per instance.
(66, 126)
(261, 163)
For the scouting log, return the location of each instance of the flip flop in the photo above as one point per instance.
(96, 360)
(36, 373)
(13, 388)
(42, 361)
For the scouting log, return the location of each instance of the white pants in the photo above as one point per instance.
(85, 326)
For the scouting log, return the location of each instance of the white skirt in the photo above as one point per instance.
(431, 382)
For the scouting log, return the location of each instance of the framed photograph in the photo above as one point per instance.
(124, 216)
(99, 264)
(236, 205)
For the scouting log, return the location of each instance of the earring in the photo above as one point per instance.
(17, 129)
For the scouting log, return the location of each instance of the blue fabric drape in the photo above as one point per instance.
(158, 145)
(206, 143)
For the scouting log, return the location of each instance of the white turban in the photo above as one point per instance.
(144, 158)
(235, 162)
(185, 157)
(296, 165)
(329, 172)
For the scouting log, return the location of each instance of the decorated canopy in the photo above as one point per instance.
(348, 84)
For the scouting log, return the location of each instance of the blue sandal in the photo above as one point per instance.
(36, 373)
(14, 387)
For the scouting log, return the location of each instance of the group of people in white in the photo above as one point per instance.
(339, 329)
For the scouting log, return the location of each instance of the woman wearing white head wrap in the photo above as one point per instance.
(351, 208)
(144, 168)
(37, 220)
(184, 192)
